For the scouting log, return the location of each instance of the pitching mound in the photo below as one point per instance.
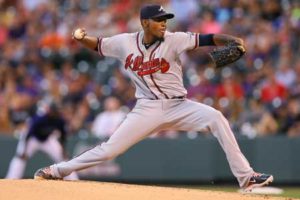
(28, 189)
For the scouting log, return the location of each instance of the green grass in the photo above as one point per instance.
(288, 192)
(293, 192)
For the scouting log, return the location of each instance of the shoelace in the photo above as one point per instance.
(256, 174)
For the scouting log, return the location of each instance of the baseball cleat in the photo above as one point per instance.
(45, 174)
(258, 180)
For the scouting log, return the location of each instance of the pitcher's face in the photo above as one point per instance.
(158, 27)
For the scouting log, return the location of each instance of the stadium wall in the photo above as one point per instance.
(199, 160)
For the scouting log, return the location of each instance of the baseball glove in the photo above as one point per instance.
(228, 54)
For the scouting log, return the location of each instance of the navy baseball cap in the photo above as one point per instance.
(152, 11)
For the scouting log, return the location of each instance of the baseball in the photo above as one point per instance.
(79, 34)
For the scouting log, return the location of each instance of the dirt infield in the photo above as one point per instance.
(28, 189)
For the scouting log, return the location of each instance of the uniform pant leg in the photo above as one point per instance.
(145, 118)
(25, 149)
(54, 149)
(193, 116)
(16, 168)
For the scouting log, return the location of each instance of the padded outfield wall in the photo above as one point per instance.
(199, 160)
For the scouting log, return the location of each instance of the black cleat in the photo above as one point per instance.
(258, 180)
(45, 174)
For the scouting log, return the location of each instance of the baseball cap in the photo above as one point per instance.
(152, 11)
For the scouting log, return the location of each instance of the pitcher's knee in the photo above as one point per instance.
(217, 121)
(216, 115)
(110, 153)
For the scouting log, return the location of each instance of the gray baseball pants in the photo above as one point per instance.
(150, 116)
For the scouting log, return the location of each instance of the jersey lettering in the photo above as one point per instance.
(155, 71)
(146, 68)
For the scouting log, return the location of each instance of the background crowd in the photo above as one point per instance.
(259, 94)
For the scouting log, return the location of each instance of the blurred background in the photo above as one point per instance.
(259, 94)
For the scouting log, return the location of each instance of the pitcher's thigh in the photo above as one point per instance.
(194, 116)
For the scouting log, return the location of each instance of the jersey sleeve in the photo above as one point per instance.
(111, 46)
(186, 41)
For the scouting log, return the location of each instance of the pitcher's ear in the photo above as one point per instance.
(145, 23)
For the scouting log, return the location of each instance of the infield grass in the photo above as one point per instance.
(288, 192)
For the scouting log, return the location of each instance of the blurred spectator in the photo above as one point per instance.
(109, 120)
(230, 97)
(5, 124)
(267, 125)
(285, 75)
(204, 91)
(230, 88)
(3, 34)
(271, 89)
(184, 16)
(291, 126)
(208, 24)
(39, 58)
(295, 90)
(258, 121)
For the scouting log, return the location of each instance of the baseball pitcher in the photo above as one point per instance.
(151, 58)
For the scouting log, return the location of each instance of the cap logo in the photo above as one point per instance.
(161, 9)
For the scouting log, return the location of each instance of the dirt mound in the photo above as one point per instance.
(28, 189)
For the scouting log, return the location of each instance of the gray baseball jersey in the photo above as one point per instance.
(161, 104)
(157, 71)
